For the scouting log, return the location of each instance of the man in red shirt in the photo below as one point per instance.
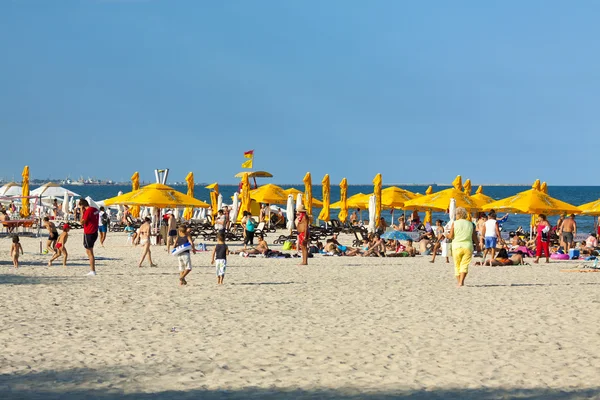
(89, 220)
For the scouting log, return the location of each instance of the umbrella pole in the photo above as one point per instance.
(392, 212)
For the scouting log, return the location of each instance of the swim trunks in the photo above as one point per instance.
(490, 242)
(89, 239)
(53, 235)
(567, 237)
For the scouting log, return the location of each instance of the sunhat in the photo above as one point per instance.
(301, 208)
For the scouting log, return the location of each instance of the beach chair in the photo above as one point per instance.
(360, 234)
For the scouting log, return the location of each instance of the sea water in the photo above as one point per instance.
(575, 195)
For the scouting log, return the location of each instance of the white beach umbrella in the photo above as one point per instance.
(65, 206)
(372, 206)
(235, 207)
(289, 212)
(91, 202)
(446, 246)
(220, 201)
(299, 199)
(11, 189)
(52, 190)
(144, 212)
(71, 204)
(202, 213)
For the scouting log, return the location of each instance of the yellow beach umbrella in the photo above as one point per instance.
(395, 197)
(214, 186)
(591, 208)
(544, 187)
(377, 192)
(189, 211)
(324, 214)
(245, 195)
(269, 193)
(428, 216)
(308, 200)
(480, 198)
(294, 192)
(135, 185)
(214, 205)
(343, 215)
(25, 192)
(359, 200)
(440, 201)
(467, 187)
(156, 195)
(532, 201)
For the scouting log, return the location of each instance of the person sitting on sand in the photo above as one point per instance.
(502, 259)
(410, 249)
(376, 247)
(425, 244)
(591, 242)
(61, 249)
(261, 248)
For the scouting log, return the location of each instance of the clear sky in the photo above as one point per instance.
(497, 91)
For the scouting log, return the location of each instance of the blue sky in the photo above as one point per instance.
(499, 92)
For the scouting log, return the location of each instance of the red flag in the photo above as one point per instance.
(249, 154)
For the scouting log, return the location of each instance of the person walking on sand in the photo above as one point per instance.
(52, 235)
(464, 239)
(219, 258)
(490, 233)
(171, 231)
(568, 232)
(302, 227)
(184, 259)
(89, 220)
(15, 248)
(541, 240)
(103, 222)
(61, 249)
(249, 225)
(144, 235)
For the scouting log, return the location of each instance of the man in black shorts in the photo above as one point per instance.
(89, 220)
(52, 235)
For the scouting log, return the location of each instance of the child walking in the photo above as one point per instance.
(60, 246)
(14, 251)
(219, 255)
(183, 259)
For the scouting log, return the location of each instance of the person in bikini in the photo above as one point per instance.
(144, 234)
(303, 234)
(61, 249)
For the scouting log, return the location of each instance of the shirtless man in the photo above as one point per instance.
(568, 232)
(52, 235)
(145, 242)
(171, 232)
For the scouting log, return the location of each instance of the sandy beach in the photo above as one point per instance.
(343, 327)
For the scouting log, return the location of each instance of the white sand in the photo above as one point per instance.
(341, 327)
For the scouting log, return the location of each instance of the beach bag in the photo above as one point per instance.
(105, 219)
(287, 245)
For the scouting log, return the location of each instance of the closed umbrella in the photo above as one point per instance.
(189, 211)
(246, 201)
(235, 206)
(289, 212)
(214, 203)
(447, 246)
(219, 202)
(377, 192)
(324, 214)
(343, 215)
(176, 213)
(372, 211)
(25, 192)
(299, 200)
(65, 206)
(308, 200)
(119, 208)
(135, 185)
(467, 187)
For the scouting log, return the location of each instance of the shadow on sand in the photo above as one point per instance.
(66, 385)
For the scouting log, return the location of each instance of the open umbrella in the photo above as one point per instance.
(532, 201)
(52, 190)
(289, 212)
(135, 185)
(11, 189)
(372, 211)
(359, 200)
(156, 195)
(591, 208)
(308, 200)
(480, 198)
(324, 214)
(396, 235)
(377, 192)
(269, 194)
(189, 211)
(293, 191)
(25, 192)
(395, 197)
(440, 201)
(343, 215)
